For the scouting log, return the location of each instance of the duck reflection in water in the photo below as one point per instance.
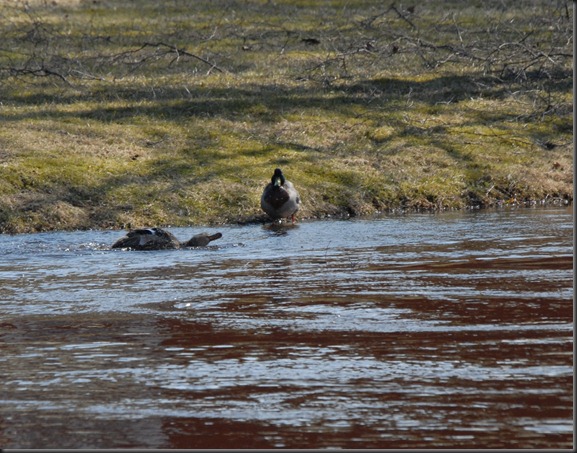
(159, 239)
(278, 228)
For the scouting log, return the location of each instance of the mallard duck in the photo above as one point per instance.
(280, 199)
(159, 239)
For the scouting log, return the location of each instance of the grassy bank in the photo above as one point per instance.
(119, 112)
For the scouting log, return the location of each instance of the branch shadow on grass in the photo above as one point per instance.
(267, 104)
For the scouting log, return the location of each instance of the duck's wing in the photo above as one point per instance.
(145, 232)
(126, 242)
(293, 193)
(147, 239)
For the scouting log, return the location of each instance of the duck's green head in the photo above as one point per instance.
(277, 178)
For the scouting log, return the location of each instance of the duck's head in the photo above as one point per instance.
(277, 178)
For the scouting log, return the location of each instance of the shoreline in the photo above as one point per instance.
(264, 219)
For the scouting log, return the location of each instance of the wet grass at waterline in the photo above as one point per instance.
(118, 113)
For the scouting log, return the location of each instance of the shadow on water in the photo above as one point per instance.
(404, 332)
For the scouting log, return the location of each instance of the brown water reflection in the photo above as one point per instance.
(453, 389)
(430, 344)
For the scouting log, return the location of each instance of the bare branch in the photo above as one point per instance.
(178, 52)
(42, 71)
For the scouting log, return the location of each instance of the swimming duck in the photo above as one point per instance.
(280, 199)
(159, 239)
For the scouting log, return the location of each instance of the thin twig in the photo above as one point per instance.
(179, 52)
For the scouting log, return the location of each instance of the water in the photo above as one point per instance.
(418, 331)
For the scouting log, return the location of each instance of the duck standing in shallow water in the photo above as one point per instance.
(280, 199)
(159, 239)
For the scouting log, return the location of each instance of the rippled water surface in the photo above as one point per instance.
(417, 331)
